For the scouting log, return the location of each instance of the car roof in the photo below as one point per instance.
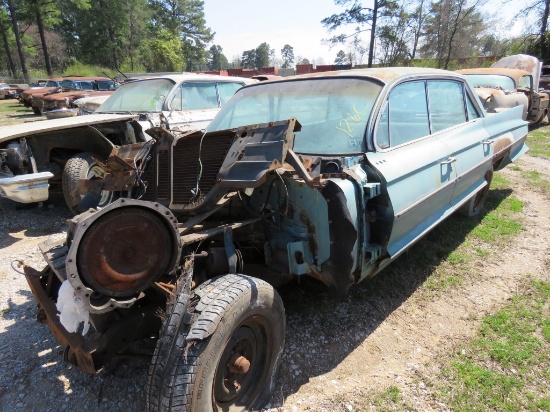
(515, 74)
(385, 75)
(178, 78)
(85, 78)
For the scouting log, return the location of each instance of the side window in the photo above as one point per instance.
(227, 90)
(446, 104)
(407, 114)
(199, 96)
(176, 103)
(525, 82)
(472, 112)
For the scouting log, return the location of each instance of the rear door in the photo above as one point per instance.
(455, 117)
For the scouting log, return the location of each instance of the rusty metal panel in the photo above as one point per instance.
(522, 62)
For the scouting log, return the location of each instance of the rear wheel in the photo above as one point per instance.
(83, 166)
(234, 368)
(475, 204)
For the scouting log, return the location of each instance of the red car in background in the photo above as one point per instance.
(60, 104)
(78, 84)
(11, 91)
(26, 97)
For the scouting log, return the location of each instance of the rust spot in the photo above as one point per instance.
(311, 239)
(238, 364)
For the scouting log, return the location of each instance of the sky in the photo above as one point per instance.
(244, 24)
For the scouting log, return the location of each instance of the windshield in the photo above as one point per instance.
(333, 112)
(493, 81)
(138, 96)
(52, 83)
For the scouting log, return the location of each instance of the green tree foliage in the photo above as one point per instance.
(341, 58)
(453, 30)
(287, 53)
(248, 59)
(537, 41)
(263, 55)
(361, 17)
(164, 52)
(185, 19)
(217, 60)
(8, 63)
(394, 36)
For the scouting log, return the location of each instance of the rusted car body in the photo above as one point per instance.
(12, 91)
(79, 85)
(331, 175)
(26, 97)
(62, 104)
(60, 152)
(510, 82)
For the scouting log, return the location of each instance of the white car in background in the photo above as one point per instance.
(60, 152)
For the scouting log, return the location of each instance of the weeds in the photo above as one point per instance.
(506, 366)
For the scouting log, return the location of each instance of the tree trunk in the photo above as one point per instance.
(453, 33)
(7, 49)
(418, 31)
(544, 23)
(40, 25)
(373, 33)
(18, 41)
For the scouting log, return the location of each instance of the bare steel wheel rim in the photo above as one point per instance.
(244, 363)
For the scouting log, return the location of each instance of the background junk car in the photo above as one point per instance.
(509, 82)
(335, 176)
(12, 91)
(60, 152)
(26, 97)
(42, 102)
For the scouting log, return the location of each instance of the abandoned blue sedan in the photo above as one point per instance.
(331, 175)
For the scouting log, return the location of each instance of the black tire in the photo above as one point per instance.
(194, 376)
(474, 205)
(82, 166)
(37, 111)
(539, 119)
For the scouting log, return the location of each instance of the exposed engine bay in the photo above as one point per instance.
(193, 206)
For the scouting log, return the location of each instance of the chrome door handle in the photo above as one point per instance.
(488, 141)
(448, 161)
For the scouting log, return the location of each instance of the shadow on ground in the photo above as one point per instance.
(333, 329)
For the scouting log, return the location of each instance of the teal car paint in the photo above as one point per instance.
(329, 175)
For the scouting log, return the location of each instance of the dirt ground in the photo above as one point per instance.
(391, 331)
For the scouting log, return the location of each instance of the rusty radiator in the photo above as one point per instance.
(186, 168)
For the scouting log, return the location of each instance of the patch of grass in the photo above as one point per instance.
(505, 368)
(500, 223)
(500, 182)
(387, 400)
(537, 179)
(457, 258)
(516, 168)
(539, 142)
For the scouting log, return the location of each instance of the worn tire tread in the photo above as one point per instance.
(171, 375)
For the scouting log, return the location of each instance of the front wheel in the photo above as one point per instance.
(83, 166)
(235, 367)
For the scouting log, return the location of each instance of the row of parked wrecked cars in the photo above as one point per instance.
(196, 195)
